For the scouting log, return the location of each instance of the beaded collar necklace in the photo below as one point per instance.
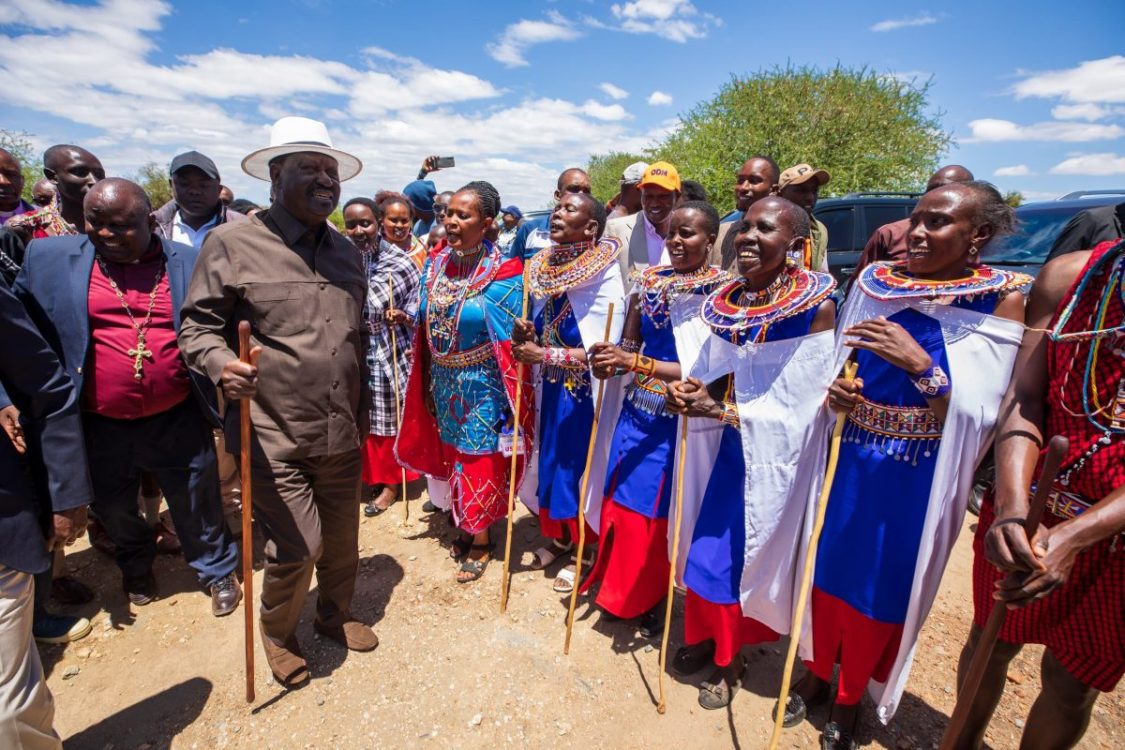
(888, 281)
(733, 307)
(564, 267)
(660, 285)
(447, 295)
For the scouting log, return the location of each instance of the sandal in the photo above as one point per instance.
(475, 568)
(797, 707)
(544, 556)
(718, 690)
(564, 581)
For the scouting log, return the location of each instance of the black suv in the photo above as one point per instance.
(852, 219)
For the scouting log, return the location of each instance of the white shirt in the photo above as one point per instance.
(182, 233)
(655, 243)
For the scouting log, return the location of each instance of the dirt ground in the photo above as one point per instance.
(451, 672)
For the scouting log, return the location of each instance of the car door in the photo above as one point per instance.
(842, 250)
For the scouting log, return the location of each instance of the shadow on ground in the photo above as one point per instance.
(154, 721)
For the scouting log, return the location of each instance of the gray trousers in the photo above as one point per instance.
(27, 710)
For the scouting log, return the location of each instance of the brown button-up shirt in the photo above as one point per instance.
(303, 291)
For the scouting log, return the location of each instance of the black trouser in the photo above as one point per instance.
(178, 447)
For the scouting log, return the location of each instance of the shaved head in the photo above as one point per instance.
(796, 217)
(56, 156)
(119, 194)
(948, 175)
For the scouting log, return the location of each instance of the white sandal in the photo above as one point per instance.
(564, 581)
(545, 555)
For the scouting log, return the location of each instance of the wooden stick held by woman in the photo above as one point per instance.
(398, 396)
(582, 497)
(850, 368)
(247, 510)
(517, 443)
(1056, 451)
(660, 706)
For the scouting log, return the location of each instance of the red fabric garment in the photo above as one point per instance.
(725, 625)
(1083, 621)
(379, 463)
(888, 242)
(864, 648)
(632, 561)
(553, 528)
(110, 389)
(479, 490)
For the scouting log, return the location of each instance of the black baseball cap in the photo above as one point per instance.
(194, 159)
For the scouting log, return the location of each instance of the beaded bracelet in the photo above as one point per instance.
(933, 383)
(631, 346)
(643, 365)
(730, 414)
(561, 357)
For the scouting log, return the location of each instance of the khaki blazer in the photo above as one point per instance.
(630, 231)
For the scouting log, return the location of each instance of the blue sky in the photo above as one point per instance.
(1034, 92)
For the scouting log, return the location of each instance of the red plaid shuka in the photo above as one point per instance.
(1082, 622)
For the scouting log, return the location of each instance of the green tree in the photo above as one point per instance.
(605, 172)
(869, 131)
(337, 218)
(1013, 198)
(17, 143)
(154, 179)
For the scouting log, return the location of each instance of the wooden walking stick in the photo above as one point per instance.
(517, 443)
(660, 707)
(398, 398)
(582, 497)
(1056, 451)
(247, 510)
(850, 368)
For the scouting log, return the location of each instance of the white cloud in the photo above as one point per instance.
(659, 99)
(1098, 165)
(1017, 170)
(910, 77)
(131, 106)
(675, 20)
(609, 112)
(1006, 130)
(893, 24)
(1097, 81)
(613, 92)
(513, 42)
(1087, 111)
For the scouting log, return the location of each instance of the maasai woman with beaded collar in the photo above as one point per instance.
(632, 559)
(573, 283)
(1070, 380)
(457, 418)
(936, 340)
(774, 300)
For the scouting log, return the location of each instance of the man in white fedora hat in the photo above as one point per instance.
(302, 287)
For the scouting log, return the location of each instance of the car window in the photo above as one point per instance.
(876, 216)
(839, 223)
(1035, 233)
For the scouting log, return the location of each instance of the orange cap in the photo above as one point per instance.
(662, 174)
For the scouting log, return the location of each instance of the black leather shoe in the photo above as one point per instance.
(141, 591)
(652, 622)
(834, 737)
(225, 595)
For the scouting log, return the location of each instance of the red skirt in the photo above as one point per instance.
(864, 648)
(1082, 622)
(379, 463)
(553, 528)
(632, 562)
(724, 624)
(479, 490)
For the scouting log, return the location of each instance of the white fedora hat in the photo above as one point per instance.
(293, 135)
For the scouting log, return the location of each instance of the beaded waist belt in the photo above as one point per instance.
(899, 431)
(647, 394)
(468, 358)
(1064, 504)
(906, 422)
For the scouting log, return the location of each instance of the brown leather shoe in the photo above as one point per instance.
(225, 595)
(285, 661)
(353, 634)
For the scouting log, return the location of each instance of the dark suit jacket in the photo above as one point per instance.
(54, 286)
(48, 403)
(1089, 228)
